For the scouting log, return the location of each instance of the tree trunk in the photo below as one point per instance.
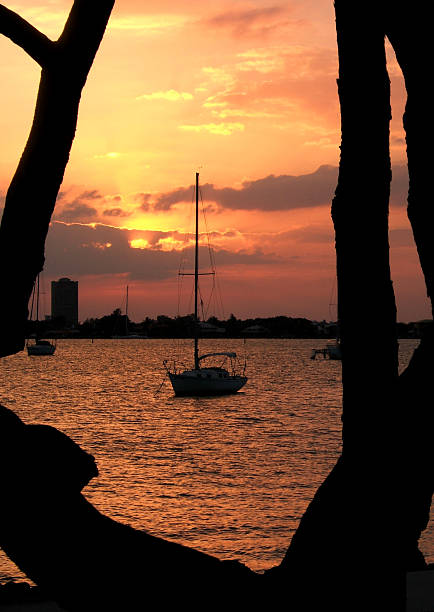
(359, 536)
(345, 555)
(32, 194)
(409, 29)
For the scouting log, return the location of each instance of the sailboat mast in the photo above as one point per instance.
(196, 279)
(37, 298)
(126, 313)
(37, 309)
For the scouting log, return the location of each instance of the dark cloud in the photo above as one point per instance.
(249, 22)
(76, 211)
(115, 212)
(283, 192)
(80, 250)
(143, 199)
(309, 235)
(79, 208)
(92, 194)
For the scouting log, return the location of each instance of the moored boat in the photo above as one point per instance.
(38, 346)
(204, 380)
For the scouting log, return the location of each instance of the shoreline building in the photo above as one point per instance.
(64, 301)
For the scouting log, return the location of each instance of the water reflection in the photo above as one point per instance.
(228, 475)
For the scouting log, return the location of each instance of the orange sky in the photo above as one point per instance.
(244, 92)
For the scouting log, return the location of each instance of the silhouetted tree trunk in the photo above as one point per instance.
(32, 193)
(359, 536)
(410, 31)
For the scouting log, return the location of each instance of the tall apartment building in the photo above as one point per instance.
(64, 301)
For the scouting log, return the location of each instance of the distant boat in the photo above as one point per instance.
(203, 379)
(331, 351)
(38, 346)
(127, 335)
(334, 350)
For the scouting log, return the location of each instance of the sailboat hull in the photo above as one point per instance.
(40, 349)
(334, 351)
(201, 382)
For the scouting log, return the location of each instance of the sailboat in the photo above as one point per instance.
(202, 379)
(333, 349)
(127, 335)
(39, 346)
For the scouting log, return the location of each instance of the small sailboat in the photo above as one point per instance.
(127, 335)
(38, 346)
(333, 349)
(204, 379)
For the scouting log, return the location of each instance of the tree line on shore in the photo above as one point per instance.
(163, 326)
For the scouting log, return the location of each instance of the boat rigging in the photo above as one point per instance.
(202, 379)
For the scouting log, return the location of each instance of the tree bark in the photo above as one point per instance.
(32, 194)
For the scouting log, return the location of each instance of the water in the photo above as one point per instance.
(230, 475)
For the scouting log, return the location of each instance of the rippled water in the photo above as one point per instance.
(230, 476)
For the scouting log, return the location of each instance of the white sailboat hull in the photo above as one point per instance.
(206, 382)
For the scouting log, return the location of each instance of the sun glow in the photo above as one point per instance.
(181, 86)
(139, 243)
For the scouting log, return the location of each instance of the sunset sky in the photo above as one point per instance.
(243, 92)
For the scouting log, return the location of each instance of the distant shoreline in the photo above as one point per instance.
(118, 326)
(73, 336)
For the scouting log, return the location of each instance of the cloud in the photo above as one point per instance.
(116, 212)
(109, 155)
(79, 209)
(147, 24)
(310, 234)
(291, 81)
(82, 250)
(283, 192)
(143, 199)
(170, 95)
(220, 129)
(92, 194)
(76, 211)
(264, 64)
(251, 22)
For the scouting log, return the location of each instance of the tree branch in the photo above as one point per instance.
(35, 185)
(36, 44)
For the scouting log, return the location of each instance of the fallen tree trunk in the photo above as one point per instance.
(85, 560)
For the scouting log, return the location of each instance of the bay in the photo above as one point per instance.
(228, 475)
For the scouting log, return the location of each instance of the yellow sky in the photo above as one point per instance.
(241, 90)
